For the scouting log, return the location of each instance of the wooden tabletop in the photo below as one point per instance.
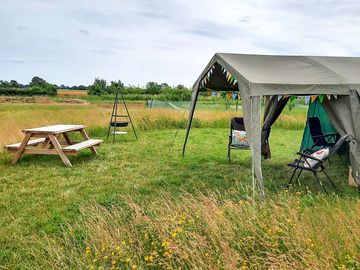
(53, 129)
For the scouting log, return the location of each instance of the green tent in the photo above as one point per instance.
(316, 110)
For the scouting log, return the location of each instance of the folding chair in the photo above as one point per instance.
(315, 165)
(236, 124)
(319, 138)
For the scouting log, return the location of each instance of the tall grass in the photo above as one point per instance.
(203, 232)
(16, 117)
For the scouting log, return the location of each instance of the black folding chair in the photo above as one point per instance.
(236, 123)
(319, 138)
(317, 166)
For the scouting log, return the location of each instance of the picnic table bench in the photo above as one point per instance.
(47, 138)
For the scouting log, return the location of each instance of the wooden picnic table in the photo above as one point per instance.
(47, 138)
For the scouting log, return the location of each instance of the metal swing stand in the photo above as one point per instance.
(118, 120)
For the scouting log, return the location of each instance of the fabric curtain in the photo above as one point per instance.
(273, 109)
(344, 113)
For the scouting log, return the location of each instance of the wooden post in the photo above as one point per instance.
(86, 137)
(58, 148)
(67, 139)
(21, 148)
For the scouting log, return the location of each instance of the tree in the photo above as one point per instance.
(180, 87)
(114, 85)
(14, 84)
(38, 81)
(98, 88)
(4, 84)
(153, 88)
(164, 86)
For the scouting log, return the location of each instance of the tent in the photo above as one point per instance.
(270, 76)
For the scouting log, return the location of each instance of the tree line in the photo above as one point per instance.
(151, 90)
(100, 87)
(37, 87)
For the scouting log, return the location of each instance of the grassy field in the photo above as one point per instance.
(71, 93)
(141, 205)
(15, 117)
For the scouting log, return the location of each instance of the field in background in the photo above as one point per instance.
(71, 93)
(16, 117)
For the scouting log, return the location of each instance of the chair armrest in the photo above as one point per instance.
(302, 154)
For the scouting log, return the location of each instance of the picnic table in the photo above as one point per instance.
(47, 138)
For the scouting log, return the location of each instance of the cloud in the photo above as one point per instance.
(83, 31)
(18, 60)
(22, 28)
(209, 29)
(165, 41)
(14, 60)
(102, 51)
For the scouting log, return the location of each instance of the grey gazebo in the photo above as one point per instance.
(272, 75)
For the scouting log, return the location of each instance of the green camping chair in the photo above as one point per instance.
(307, 162)
(319, 138)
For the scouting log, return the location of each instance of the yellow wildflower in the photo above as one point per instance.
(134, 266)
(166, 254)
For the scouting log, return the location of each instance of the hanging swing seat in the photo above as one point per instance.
(119, 124)
(118, 132)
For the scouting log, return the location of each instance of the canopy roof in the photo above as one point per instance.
(278, 74)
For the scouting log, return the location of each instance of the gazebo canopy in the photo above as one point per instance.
(273, 75)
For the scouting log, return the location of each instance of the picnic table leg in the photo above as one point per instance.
(21, 148)
(46, 143)
(67, 139)
(86, 137)
(58, 148)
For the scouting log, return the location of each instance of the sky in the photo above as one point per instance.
(136, 41)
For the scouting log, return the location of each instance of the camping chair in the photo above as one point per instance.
(319, 138)
(236, 124)
(315, 165)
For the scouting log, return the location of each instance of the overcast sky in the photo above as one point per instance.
(137, 41)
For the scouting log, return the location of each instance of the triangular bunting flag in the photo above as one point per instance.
(312, 98)
(321, 98)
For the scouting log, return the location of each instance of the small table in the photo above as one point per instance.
(48, 138)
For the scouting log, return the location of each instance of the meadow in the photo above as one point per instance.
(141, 205)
